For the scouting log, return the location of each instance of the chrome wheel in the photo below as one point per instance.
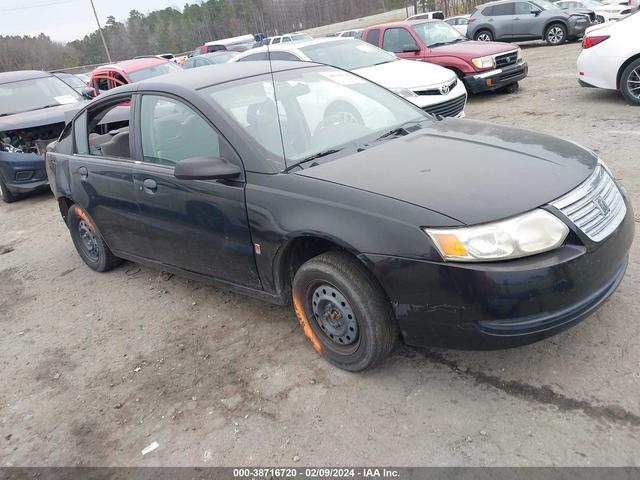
(555, 35)
(484, 37)
(633, 83)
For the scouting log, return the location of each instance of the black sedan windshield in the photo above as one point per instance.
(34, 94)
(318, 110)
(348, 54)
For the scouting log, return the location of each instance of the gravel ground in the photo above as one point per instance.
(98, 366)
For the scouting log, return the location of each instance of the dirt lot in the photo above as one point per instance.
(97, 367)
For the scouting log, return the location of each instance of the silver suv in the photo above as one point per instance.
(522, 20)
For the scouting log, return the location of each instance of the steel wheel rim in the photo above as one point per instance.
(88, 241)
(334, 317)
(633, 83)
(555, 35)
(484, 37)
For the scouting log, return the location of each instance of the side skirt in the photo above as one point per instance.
(274, 298)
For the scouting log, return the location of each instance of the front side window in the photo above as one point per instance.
(172, 131)
(437, 33)
(35, 94)
(397, 40)
(107, 130)
(317, 109)
(286, 56)
(348, 54)
(524, 8)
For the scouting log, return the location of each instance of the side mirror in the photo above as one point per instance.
(206, 168)
(538, 12)
(410, 48)
(89, 92)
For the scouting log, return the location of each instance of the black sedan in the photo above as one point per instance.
(314, 186)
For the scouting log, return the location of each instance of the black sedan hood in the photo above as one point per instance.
(471, 171)
(38, 118)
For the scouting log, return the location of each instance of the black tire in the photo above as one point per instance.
(88, 241)
(5, 194)
(628, 86)
(483, 35)
(555, 34)
(511, 88)
(363, 337)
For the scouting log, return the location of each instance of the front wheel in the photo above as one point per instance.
(555, 34)
(630, 82)
(5, 194)
(89, 242)
(343, 311)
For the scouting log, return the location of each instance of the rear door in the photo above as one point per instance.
(101, 174)
(196, 225)
(501, 20)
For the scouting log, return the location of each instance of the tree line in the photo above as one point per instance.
(173, 31)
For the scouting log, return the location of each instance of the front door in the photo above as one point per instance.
(400, 41)
(196, 225)
(526, 24)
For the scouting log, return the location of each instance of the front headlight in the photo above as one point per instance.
(484, 62)
(519, 59)
(404, 92)
(534, 232)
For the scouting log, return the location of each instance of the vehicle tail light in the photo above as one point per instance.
(589, 42)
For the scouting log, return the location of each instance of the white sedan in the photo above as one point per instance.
(604, 12)
(434, 89)
(460, 23)
(610, 57)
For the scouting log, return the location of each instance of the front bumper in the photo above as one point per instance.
(12, 165)
(578, 26)
(495, 79)
(502, 304)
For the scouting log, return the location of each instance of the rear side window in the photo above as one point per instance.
(503, 9)
(373, 37)
(107, 130)
(254, 57)
(284, 56)
(438, 16)
(487, 12)
(396, 39)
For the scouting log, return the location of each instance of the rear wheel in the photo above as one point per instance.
(630, 82)
(343, 311)
(89, 242)
(5, 194)
(555, 34)
(484, 36)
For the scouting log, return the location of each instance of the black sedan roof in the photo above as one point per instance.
(198, 78)
(8, 77)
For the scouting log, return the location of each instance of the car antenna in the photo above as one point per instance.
(275, 99)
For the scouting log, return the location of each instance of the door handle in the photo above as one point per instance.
(149, 185)
(84, 173)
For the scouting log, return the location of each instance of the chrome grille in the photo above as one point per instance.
(437, 91)
(506, 59)
(450, 108)
(596, 206)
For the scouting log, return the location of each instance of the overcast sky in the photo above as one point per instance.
(67, 20)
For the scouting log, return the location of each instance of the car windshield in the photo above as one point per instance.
(348, 54)
(154, 71)
(72, 80)
(319, 110)
(300, 36)
(545, 5)
(437, 33)
(34, 94)
(222, 57)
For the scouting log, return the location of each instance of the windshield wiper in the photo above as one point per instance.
(315, 156)
(401, 130)
(440, 44)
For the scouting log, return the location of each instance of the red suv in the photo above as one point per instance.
(483, 66)
(107, 77)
